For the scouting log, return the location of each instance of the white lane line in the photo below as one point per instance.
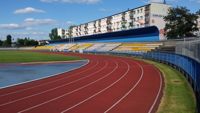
(44, 77)
(53, 99)
(141, 76)
(159, 91)
(99, 91)
(50, 62)
(46, 83)
(53, 88)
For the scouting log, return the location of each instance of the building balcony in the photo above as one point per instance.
(109, 22)
(99, 30)
(147, 8)
(123, 18)
(123, 22)
(123, 27)
(131, 17)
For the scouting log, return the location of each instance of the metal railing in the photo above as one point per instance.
(189, 48)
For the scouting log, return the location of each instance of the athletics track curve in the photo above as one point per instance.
(107, 84)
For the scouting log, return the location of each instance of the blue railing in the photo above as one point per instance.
(187, 65)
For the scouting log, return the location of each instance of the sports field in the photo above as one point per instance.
(107, 84)
(27, 56)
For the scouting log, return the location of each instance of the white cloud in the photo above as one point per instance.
(28, 23)
(107, 10)
(35, 22)
(198, 1)
(73, 1)
(30, 33)
(11, 26)
(156, 0)
(103, 10)
(69, 22)
(38, 35)
(28, 10)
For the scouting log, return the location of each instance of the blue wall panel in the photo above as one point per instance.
(187, 64)
(145, 34)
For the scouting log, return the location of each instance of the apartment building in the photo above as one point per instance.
(198, 25)
(59, 32)
(148, 15)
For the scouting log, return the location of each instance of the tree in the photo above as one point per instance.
(1, 42)
(9, 40)
(54, 34)
(180, 23)
(26, 42)
(5, 44)
(20, 42)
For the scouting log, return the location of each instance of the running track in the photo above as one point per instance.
(107, 84)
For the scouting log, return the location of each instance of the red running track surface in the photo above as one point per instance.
(107, 84)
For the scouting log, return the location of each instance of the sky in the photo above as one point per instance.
(36, 18)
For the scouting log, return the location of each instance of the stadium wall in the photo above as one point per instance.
(188, 66)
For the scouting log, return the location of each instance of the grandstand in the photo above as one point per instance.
(95, 47)
(108, 47)
(104, 47)
(46, 47)
(137, 47)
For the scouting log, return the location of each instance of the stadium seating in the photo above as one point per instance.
(103, 47)
(95, 47)
(57, 47)
(80, 46)
(108, 47)
(47, 47)
(85, 46)
(137, 47)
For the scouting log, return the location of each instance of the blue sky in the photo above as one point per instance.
(35, 18)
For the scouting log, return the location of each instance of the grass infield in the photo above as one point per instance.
(28, 56)
(178, 95)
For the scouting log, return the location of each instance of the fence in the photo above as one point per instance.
(189, 48)
(189, 66)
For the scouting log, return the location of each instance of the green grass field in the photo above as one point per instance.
(178, 95)
(25, 56)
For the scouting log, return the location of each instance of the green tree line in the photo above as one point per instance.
(26, 42)
(21, 42)
(7, 42)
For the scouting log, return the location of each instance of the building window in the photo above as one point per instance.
(153, 21)
(141, 10)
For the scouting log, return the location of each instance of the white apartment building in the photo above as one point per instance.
(147, 15)
(198, 32)
(61, 32)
